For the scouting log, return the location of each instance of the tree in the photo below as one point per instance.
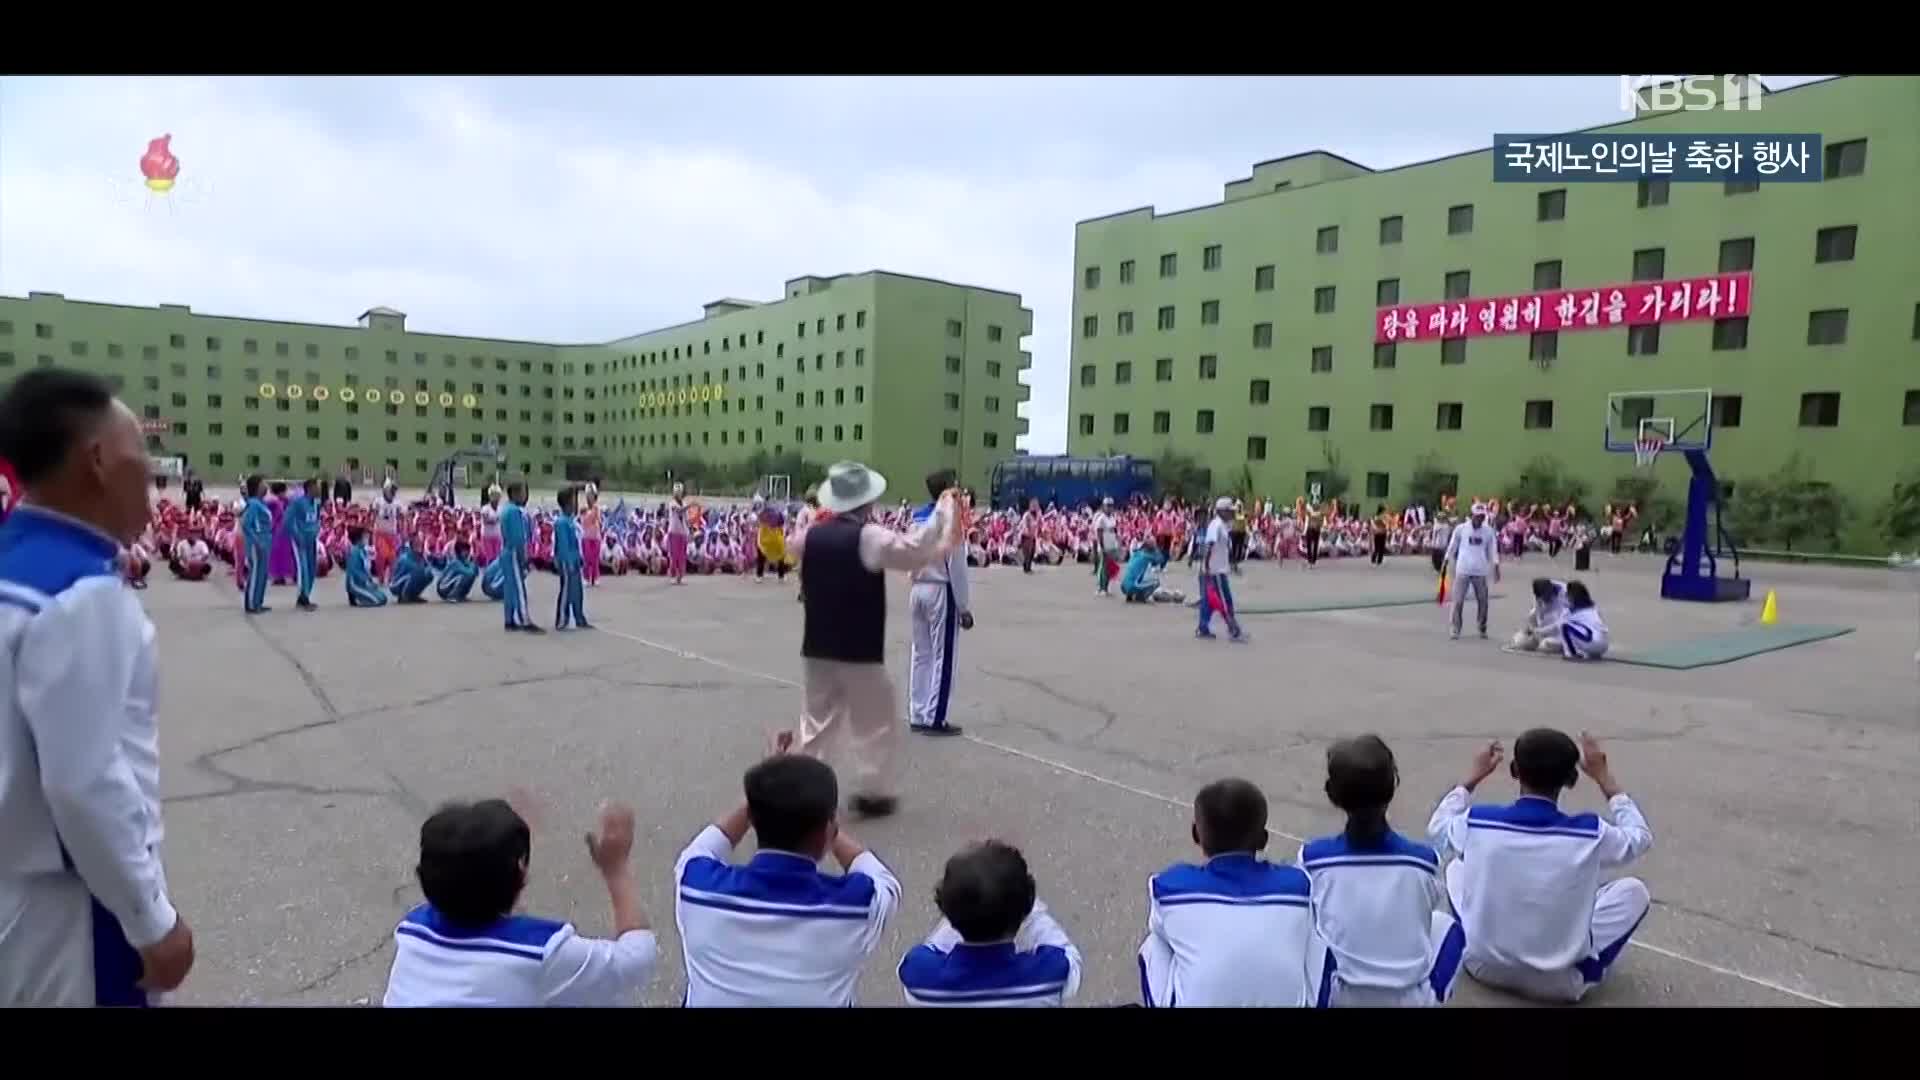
(1641, 488)
(1334, 480)
(1789, 506)
(1544, 480)
(1181, 476)
(1432, 478)
(1899, 517)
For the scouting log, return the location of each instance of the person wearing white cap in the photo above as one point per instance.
(1216, 554)
(843, 648)
(1472, 554)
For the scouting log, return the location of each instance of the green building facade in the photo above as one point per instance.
(905, 373)
(1243, 332)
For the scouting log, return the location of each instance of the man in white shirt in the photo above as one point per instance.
(85, 917)
(1526, 877)
(1216, 591)
(1473, 553)
(466, 947)
(1235, 931)
(776, 931)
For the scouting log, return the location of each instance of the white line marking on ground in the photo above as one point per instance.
(686, 654)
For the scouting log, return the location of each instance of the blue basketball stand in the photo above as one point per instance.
(1683, 421)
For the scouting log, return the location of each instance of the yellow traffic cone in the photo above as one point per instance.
(1770, 613)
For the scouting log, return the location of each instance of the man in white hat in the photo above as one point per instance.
(1473, 553)
(843, 590)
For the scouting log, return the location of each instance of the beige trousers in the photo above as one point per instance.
(854, 703)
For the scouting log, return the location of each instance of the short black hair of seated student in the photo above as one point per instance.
(938, 481)
(790, 798)
(251, 487)
(1231, 815)
(44, 413)
(986, 892)
(1545, 760)
(1361, 780)
(566, 497)
(1577, 595)
(471, 857)
(356, 533)
(278, 487)
(1542, 588)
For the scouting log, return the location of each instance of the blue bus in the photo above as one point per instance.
(1069, 481)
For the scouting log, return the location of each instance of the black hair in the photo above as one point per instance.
(516, 486)
(1545, 761)
(252, 485)
(278, 487)
(1361, 778)
(566, 498)
(790, 798)
(311, 483)
(1542, 588)
(472, 858)
(939, 480)
(1577, 595)
(44, 413)
(986, 892)
(1230, 815)
(1381, 509)
(461, 548)
(356, 533)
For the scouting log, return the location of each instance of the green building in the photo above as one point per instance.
(905, 373)
(1243, 332)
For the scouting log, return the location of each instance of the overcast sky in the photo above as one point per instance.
(577, 210)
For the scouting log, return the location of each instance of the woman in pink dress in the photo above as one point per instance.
(280, 565)
(590, 536)
(678, 534)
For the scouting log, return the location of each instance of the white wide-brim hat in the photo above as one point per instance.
(1223, 503)
(849, 486)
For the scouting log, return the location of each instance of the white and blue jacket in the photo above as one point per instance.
(1039, 968)
(519, 961)
(1373, 908)
(79, 766)
(1236, 931)
(776, 931)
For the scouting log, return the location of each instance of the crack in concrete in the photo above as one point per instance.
(340, 968)
(503, 684)
(1791, 939)
(1107, 716)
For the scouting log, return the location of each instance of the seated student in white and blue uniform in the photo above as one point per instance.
(1236, 930)
(1583, 633)
(996, 944)
(411, 575)
(363, 589)
(776, 931)
(1526, 878)
(1542, 630)
(465, 946)
(456, 580)
(1379, 911)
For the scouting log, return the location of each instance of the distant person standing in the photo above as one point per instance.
(1474, 554)
(342, 486)
(84, 912)
(194, 491)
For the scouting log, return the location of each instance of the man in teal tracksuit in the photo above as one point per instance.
(515, 533)
(256, 529)
(303, 526)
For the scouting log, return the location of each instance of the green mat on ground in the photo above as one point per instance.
(1728, 646)
(1352, 603)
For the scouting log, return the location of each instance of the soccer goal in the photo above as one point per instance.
(777, 488)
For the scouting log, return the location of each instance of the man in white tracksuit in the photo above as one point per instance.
(1473, 553)
(85, 917)
(940, 606)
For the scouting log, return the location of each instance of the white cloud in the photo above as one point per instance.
(586, 210)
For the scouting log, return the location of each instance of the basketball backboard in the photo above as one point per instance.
(1678, 419)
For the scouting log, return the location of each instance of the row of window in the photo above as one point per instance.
(1842, 159)
(1824, 327)
(1836, 243)
(1817, 410)
(218, 460)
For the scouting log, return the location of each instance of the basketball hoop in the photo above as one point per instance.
(1647, 447)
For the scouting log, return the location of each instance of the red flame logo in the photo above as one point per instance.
(159, 165)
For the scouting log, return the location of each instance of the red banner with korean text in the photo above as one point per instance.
(1639, 303)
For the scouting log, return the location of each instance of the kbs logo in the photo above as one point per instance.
(1690, 93)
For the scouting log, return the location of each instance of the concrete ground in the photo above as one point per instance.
(302, 752)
